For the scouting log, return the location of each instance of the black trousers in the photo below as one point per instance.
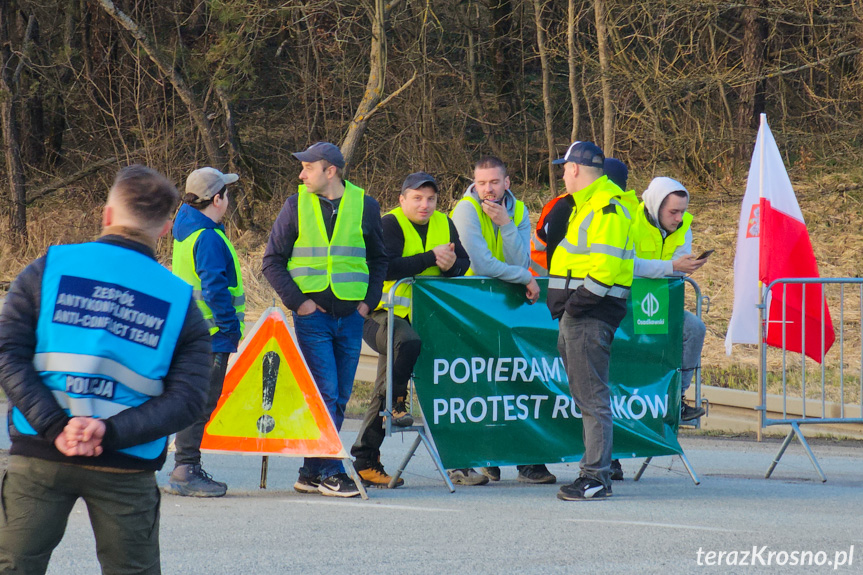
(406, 350)
(188, 441)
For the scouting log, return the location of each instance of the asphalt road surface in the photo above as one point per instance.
(661, 524)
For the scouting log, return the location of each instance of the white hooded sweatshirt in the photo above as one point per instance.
(653, 196)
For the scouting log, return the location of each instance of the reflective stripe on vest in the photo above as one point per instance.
(491, 236)
(318, 262)
(183, 266)
(109, 320)
(436, 235)
(583, 252)
(649, 243)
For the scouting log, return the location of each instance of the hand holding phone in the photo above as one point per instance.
(705, 255)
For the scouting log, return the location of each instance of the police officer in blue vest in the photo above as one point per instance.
(103, 354)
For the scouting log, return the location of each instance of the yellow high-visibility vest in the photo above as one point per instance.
(597, 251)
(493, 239)
(183, 266)
(649, 243)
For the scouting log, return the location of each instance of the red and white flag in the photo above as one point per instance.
(773, 243)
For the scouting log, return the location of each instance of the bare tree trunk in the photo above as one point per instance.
(374, 85)
(476, 98)
(17, 231)
(34, 131)
(242, 206)
(751, 98)
(546, 92)
(166, 67)
(573, 70)
(601, 14)
(504, 63)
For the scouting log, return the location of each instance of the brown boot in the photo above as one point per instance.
(375, 476)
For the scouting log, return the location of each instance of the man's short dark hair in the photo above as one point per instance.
(148, 195)
(487, 162)
(340, 172)
(200, 204)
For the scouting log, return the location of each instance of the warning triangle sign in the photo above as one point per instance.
(270, 403)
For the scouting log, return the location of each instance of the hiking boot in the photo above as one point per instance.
(306, 484)
(338, 485)
(688, 413)
(535, 474)
(192, 481)
(466, 476)
(493, 473)
(401, 413)
(616, 470)
(584, 489)
(375, 476)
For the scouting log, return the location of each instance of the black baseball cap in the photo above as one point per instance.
(583, 153)
(417, 180)
(617, 172)
(322, 151)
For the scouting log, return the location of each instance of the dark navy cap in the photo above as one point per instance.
(417, 180)
(322, 151)
(617, 172)
(583, 153)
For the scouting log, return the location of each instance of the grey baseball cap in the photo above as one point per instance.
(583, 153)
(207, 182)
(322, 151)
(417, 180)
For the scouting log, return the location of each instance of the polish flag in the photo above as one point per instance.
(773, 243)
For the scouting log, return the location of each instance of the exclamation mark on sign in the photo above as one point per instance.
(270, 369)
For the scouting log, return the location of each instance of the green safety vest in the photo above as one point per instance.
(318, 262)
(183, 266)
(492, 238)
(438, 235)
(649, 243)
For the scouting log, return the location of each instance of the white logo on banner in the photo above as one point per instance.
(650, 305)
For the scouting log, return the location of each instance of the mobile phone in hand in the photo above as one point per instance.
(705, 255)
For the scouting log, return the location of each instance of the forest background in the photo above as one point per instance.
(670, 87)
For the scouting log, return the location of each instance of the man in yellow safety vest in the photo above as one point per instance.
(589, 281)
(419, 241)
(326, 260)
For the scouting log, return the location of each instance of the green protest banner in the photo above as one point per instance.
(493, 388)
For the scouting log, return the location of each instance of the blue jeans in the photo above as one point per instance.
(331, 346)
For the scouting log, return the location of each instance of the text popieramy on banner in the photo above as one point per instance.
(493, 388)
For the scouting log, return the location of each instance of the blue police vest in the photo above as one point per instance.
(102, 345)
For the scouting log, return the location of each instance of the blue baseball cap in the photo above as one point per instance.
(322, 151)
(583, 153)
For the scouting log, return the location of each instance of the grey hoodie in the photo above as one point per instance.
(653, 197)
(516, 241)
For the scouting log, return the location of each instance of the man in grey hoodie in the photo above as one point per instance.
(495, 230)
(662, 234)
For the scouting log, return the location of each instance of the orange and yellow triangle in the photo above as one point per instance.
(291, 420)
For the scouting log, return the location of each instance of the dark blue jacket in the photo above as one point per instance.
(215, 267)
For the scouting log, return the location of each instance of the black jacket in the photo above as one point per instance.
(185, 385)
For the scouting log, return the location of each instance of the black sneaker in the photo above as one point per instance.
(535, 474)
(584, 489)
(338, 485)
(688, 413)
(306, 484)
(493, 473)
(616, 470)
(192, 481)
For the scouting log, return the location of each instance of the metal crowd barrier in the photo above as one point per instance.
(700, 301)
(832, 381)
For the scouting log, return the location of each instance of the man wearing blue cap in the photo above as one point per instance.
(590, 277)
(326, 260)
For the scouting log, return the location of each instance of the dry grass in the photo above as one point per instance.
(831, 203)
